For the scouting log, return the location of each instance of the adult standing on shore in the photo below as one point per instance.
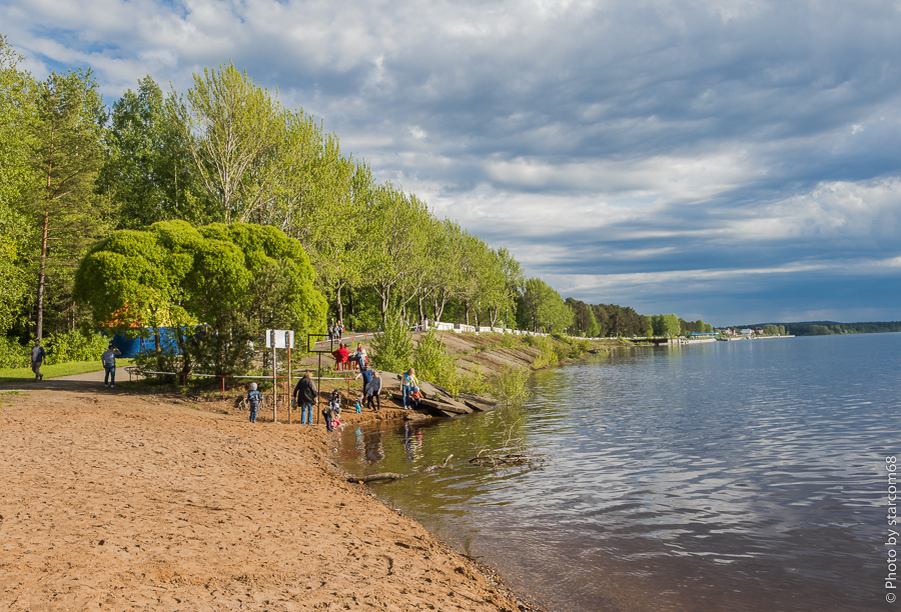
(108, 359)
(38, 358)
(305, 396)
(372, 391)
(409, 384)
(366, 374)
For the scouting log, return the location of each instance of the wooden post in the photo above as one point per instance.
(319, 386)
(274, 379)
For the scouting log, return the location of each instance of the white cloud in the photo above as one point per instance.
(668, 138)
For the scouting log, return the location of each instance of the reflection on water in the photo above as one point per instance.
(740, 476)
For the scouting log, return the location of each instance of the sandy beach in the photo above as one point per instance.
(119, 500)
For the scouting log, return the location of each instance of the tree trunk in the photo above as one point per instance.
(353, 310)
(40, 305)
(338, 305)
(386, 302)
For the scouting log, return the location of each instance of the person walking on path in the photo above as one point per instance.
(372, 391)
(409, 385)
(254, 398)
(304, 396)
(108, 359)
(38, 358)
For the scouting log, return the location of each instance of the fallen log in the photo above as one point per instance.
(396, 476)
(507, 460)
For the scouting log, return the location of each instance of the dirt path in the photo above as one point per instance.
(113, 501)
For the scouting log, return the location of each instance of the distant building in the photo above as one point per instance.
(698, 335)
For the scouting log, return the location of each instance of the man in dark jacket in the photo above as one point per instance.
(305, 396)
(38, 358)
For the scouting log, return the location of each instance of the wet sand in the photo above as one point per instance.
(113, 500)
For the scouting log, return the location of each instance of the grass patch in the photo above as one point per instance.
(55, 371)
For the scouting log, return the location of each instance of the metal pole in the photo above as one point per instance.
(290, 391)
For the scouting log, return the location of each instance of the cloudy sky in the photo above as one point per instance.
(737, 161)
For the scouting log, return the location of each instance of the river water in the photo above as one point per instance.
(746, 476)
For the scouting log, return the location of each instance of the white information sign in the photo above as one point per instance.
(280, 338)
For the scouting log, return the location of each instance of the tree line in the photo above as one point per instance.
(75, 174)
(828, 328)
(612, 320)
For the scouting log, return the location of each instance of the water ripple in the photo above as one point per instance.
(672, 469)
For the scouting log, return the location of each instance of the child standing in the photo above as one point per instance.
(254, 398)
(335, 405)
(332, 410)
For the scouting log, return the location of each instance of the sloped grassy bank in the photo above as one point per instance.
(493, 365)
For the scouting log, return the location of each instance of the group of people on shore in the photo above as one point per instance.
(305, 393)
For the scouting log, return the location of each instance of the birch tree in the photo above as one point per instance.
(233, 129)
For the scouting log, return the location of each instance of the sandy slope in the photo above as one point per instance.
(121, 502)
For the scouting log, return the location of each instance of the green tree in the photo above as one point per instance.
(542, 308)
(17, 111)
(396, 230)
(147, 168)
(665, 325)
(584, 322)
(66, 157)
(233, 129)
(446, 240)
(236, 280)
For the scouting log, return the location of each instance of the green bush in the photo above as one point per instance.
(511, 385)
(474, 383)
(433, 364)
(60, 348)
(75, 346)
(13, 354)
(510, 341)
(393, 348)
